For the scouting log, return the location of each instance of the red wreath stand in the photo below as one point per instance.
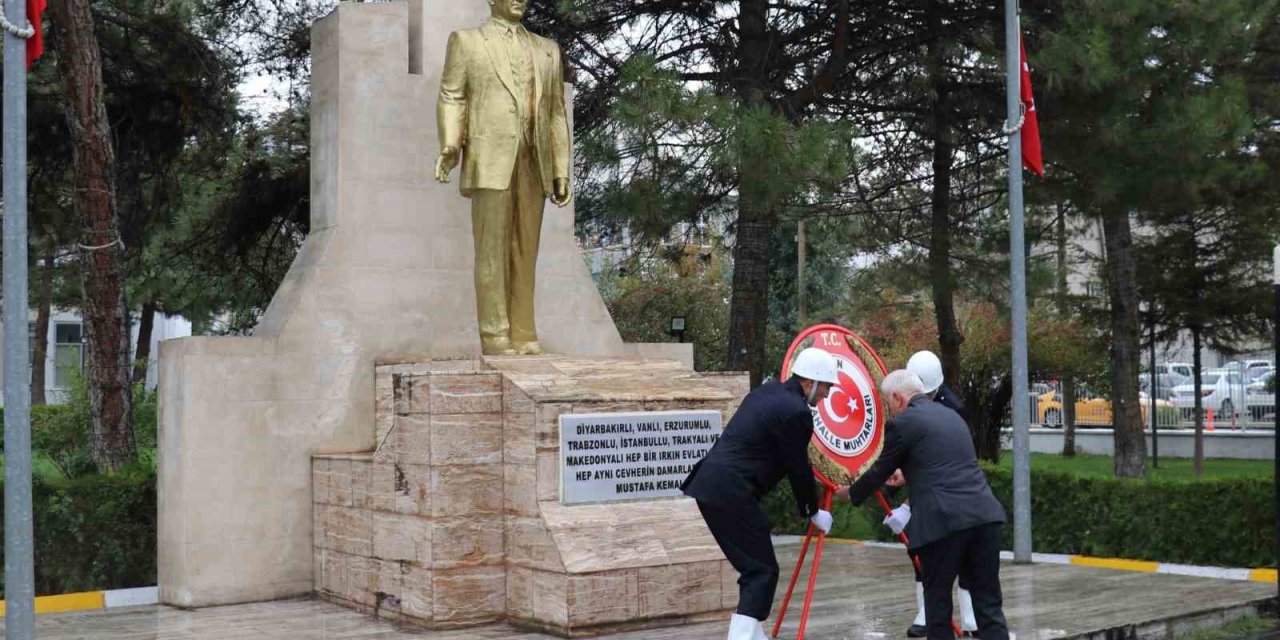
(824, 500)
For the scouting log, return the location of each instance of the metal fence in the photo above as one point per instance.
(1228, 403)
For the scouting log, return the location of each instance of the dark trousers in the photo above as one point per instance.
(974, 556)
(964, 584)
(743, 535)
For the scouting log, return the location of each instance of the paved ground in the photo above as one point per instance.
(863, 593)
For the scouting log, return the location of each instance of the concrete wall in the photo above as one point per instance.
(1255, 444)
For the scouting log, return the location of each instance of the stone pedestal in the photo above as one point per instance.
(454, 518)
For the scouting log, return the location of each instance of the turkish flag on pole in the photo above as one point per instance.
(1030, 124)
(35, 44)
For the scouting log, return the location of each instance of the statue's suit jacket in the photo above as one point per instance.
(477, 110)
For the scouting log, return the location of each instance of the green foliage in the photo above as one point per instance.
(95, 532)
(232, 241)
(60, 432)
(1057, 346)
(864, 523)
(1170, 469)
(1218, 522)
(673, 152)
(1250, 627)
(642, 301)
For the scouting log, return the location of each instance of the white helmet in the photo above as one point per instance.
(928, 368)
(815, 364)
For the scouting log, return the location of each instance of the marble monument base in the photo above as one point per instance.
(455, 518)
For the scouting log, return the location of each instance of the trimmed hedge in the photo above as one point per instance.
(1219, 522)
(94, 532)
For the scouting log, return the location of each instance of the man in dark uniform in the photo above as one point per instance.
(767, 438)
(955, 524)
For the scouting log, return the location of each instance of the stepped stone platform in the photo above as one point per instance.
(863, 593)
(455, 517)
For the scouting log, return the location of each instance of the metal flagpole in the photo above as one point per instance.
(19, 572)
(1275, 408)
(1018, 281)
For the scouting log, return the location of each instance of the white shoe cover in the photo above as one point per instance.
(967, 621)
(919, 621)
(744, 628)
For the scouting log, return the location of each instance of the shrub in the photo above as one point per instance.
(95, 532)
(1220, 522)
(848, 521)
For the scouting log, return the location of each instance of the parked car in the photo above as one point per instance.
(1260, 382)
(1260, 396)
(1092, 410)
(1222, 390)
(1165, 382)
(1180, 368)
(1253, 374)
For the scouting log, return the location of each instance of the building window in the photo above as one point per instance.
(1094, 289)
(68, 353)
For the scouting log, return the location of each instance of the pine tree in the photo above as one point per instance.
(1125, 83)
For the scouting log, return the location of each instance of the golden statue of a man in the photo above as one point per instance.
(501, 110)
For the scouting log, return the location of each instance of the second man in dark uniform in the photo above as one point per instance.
(766, 439)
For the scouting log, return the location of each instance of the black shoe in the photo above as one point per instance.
(917, 631)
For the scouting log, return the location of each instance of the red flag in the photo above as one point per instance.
(35, 44)
(1030, 124)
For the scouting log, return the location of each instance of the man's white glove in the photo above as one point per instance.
(822, 520)
(898, 518)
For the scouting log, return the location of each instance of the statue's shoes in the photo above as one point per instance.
(497, 347)
(528, 348)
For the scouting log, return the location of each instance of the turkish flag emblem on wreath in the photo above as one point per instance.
(848, 426)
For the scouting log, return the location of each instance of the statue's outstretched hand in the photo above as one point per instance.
(445, 163)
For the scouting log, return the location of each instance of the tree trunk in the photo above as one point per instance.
(749, 308)
(44, 304)
(105, 316)
(1067, 381)
(142, 352)
(1130, 441)
(1198, 407)
(1068, 417)
(992, 427)
(949, 337)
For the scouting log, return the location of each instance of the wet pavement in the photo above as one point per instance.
(863, 593)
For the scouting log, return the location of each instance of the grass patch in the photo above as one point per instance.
(41, 467)
(1241, 628)
(1172, 469)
